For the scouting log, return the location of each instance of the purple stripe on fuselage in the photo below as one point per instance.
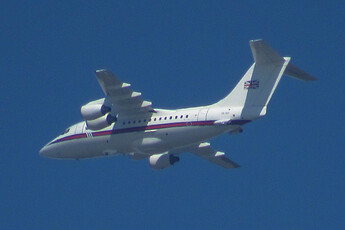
(151, 127)
(72, 137)
(143, 128)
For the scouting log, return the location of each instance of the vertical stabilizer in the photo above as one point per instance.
(253, 92)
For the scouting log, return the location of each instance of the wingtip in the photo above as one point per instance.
(311, 78)
(256, 40)
(101, 70)
(237, 166)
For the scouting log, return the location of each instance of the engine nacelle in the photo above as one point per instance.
(162, 161)
(92, 111)
(101, 123)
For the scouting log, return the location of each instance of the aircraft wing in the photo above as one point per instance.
(205, 151)
(120, 96)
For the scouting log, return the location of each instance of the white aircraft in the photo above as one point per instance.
(123, 123)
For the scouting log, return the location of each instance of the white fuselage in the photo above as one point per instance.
(124, 123)
(163, 131)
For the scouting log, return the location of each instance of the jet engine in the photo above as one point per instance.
(97, 115)
(93, 111)
(162, 161)
(101, 123)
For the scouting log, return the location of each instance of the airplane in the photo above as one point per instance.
(122, 123)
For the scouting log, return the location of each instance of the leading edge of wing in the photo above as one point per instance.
(120, 95)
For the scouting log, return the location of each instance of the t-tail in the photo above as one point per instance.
(253, 92)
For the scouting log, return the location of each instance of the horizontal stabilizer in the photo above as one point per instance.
(296, 72)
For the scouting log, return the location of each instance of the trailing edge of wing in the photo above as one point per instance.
(205, 151)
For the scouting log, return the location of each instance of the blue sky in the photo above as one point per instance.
(177, 54)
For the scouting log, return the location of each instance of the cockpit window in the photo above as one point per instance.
(66, 131)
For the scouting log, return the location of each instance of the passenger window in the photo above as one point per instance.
(187, 116)
(181, 116)
(144, 120)
(165, 118)
(133, 122)
(160, 118)
(175, 117)
(170, 117)
(139, 121)
(155, 119)
(124, 123)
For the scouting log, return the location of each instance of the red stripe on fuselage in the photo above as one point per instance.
(135, 129)
(72, 137)
(151, 127)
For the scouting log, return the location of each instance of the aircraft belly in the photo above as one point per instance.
(170, 138)
(184, 136)
(161, 140)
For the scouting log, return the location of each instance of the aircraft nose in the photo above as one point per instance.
(47, 151)
(43, 152)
